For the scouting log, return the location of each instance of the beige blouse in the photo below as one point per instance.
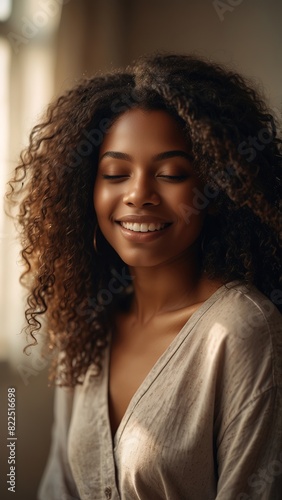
(206, 423)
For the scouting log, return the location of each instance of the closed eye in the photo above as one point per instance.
(174, 177)
(113, 177)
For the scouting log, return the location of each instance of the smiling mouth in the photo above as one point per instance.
(144, 227)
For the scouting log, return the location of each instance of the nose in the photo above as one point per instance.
(141, 191)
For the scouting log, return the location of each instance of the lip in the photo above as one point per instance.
(139, 237)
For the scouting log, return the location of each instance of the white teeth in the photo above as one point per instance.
(144, 227)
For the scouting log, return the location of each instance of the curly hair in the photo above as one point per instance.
(236, 152)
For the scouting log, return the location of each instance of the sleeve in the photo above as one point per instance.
(249, 422)
(57, 480)
(250, 453)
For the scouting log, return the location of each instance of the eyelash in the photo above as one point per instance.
(171, 177)
(175, 177)
(105, 176)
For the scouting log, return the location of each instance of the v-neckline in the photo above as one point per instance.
(156, 368)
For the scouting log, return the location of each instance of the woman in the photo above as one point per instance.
(150, 217)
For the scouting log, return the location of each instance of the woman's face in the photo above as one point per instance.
(145, 187)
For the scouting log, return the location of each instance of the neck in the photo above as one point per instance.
(167, 287)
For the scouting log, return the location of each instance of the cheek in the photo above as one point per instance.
(102, 200)
(192, 207)
(102, 208)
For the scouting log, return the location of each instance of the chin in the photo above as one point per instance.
(140, 259)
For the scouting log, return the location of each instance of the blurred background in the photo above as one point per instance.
(46, 46)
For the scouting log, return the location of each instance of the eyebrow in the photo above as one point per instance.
(161, 156)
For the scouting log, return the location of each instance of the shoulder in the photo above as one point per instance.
(241, 334)
(242, 341)
(244, 310)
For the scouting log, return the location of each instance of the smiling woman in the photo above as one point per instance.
(172, 236)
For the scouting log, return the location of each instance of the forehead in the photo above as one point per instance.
(139, 129)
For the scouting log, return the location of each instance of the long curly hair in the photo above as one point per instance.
(236, 152)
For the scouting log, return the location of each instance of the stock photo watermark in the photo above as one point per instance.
(200, 202)
(93, 138)
(36, 365)
(31, 26)
(254, 321)
(222, 7)
(11, 439)
(248, 149)
(260, 479)
(119, 283)
(254, 144)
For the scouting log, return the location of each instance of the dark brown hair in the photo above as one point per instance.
(236, 152)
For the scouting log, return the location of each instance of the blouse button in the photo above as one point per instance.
(108, 493)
